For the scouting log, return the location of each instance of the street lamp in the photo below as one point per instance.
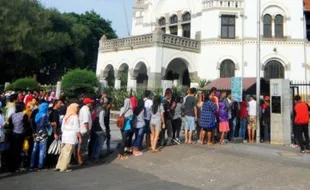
(258, 67)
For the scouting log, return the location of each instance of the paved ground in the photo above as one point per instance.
(233, 166)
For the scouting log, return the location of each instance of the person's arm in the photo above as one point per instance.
(54, 125)
(101, 120)
(77, 129)
(213, 107)
(11, 126)
(162, 117)
(85, 120)
(26, 123)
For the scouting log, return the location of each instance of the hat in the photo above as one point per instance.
(88, 101)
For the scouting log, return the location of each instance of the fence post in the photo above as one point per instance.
(58, 89)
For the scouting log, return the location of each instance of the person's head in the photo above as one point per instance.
(72, 109)
(43, 108)
(168, 93)
(157, 100)
(57, 104)
(208, 96)
(140, 107)
(223, 94)
(127, 104)
(148, 94)
(229, 96)
(88, 102)
(188, 91)
(252, 98)
(19, 107)
(193, 91)
(297, 98)
(213, 89)
(104, 102)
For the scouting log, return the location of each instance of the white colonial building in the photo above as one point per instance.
(187, 40)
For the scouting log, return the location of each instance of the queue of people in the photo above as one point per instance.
(45, 132)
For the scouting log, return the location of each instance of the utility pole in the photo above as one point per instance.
(258, 67)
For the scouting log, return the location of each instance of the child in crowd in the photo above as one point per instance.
(223, 121)
(177, 120)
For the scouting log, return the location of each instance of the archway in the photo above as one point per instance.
(227, 69)
(140, 74)
(123, 74)
(108, 75)
(274, 70)
(177, 70)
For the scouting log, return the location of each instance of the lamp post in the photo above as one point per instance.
(258, 67)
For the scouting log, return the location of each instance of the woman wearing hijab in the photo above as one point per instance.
(19, 123)
(52, 97)
(126, 111)
(40, 136)
(70, 136)
(139, 123)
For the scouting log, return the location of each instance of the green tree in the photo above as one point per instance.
(78, 82)
(45, 42)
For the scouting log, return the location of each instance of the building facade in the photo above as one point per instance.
(185, 41)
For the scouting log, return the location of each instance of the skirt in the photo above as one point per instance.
(224, 126)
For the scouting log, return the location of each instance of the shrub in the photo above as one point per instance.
(79, 82)
(23, 84)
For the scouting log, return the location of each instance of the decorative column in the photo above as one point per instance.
(132, 82)
(102, 84)
(154, 81)
(117, 84)
(194, 79)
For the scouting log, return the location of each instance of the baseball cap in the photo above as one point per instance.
(88, 101)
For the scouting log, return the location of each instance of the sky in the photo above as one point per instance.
(112, 10)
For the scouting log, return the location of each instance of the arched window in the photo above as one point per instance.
(186, 27)
(267, 26)
(174, 27)
(273, 70)
(162, 24)
(279, 26)
(174, 19)
(186, 17)
(162, 21)
(227, 69)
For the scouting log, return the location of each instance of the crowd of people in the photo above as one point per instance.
(40, 131)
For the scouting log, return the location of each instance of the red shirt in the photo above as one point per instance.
(301, 113)
(243, 113)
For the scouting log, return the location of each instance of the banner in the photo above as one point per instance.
(236, 89)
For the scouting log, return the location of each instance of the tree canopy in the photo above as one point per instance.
(42, 42)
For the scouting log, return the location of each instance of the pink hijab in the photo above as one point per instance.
(71, 110)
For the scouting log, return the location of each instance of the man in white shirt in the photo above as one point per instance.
(252, 119)
(85, 127)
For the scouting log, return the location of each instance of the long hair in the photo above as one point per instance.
(156, 104)
(139, 108)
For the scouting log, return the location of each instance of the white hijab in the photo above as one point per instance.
(127, 108)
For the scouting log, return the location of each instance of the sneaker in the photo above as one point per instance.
(176, 141)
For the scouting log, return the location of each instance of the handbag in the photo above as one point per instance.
(120, 121)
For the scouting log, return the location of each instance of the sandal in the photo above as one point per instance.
(302, 152)
(67, 170)
(156, 150)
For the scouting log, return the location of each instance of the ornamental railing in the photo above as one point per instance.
(157, 38)
(222, 3)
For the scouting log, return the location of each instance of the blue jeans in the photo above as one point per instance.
(41, 148)
(97, 144)
(139, 133)
(243, 125)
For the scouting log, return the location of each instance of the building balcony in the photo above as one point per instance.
(155, 39)
(209, 4)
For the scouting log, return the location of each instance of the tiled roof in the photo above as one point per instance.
(307, 4)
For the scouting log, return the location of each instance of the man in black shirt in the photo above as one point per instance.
(54, 119)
